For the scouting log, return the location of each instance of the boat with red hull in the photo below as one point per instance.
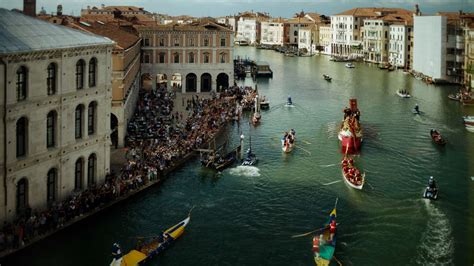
(350, 134)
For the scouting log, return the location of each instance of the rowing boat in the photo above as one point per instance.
(324, 244)
(351, 175)
(153, 247)
(288, 141)
(403, 95)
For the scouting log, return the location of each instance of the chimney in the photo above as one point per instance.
(59, 10)
(29, 8)
(417, 10)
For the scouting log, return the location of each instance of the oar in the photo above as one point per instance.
(306, 142)
(338, 262)
(303, 149)
(330, 183)
(310, 232)
(189, 214)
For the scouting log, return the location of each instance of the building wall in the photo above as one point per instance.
(346, 33)
(430, 59)
(272, 33)
(376, 41)
(399, 45)
(125, 86)
(308, 39)
(39, 159)
(183, 67)
(325, 39)
(247, 30)
(469, 58)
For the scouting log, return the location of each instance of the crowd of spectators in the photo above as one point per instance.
(158, 139)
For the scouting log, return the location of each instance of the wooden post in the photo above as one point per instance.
(241, 153)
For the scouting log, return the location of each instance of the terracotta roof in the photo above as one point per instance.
(298, 20)
(124, 39)
(195, 26)
(372, 11)
(123, 8)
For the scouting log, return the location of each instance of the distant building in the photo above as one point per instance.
(325, 39)
(469, 53)
(107, 13)
(443, 60)
(249, 26)
(308, 38)
(273, 32)
(400, 45)
(55, 132)
(200, 55)
(293, 26)
(347, 34)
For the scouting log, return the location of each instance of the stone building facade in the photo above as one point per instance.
(55, 93)
(198, 55)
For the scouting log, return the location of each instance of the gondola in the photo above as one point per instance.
(436, 137)
(468, 119)
(327, 77)
(350, 65)
(221, 163)
(153, 247)
(454, 97)
(324, 244)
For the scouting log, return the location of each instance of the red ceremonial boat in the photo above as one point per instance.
(350, 134)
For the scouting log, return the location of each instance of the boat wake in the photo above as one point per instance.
(437, 242)
(331, 130)
(250, 171)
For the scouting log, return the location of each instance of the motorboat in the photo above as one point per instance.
(350, 65)
(327, 77)
(403, 94)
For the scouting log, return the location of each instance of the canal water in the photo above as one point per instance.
(246, 216)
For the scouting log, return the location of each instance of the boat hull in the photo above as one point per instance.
(403, 95)
(350, 144)
(352, 185)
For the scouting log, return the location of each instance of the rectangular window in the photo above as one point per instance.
(176, 41)
(222, 42)
(78, 123)
(162, 58)
(162, 41)
(146, 58)
(206, 42)
(146, 42)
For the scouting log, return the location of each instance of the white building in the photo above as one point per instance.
(294, 25)
(346, 28)
(56, 101)
(272, 32)
(375, 40)
(308, 38)
(430, 59)
(399, 45)
(325, 39)
(248, 29)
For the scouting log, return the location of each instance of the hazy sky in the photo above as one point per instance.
(283, 8)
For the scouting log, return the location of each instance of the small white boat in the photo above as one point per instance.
(350, 65)
(470, 128)
(403, 95)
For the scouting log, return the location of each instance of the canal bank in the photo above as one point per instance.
(247, 217)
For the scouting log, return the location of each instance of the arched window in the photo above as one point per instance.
(80, 65)
(222, 57)
(92, 72)
(206, 58)
(21, 136)
(78, 174)
(22, 195)
(91, 169)
(191, 58)
(78, 121)
(21, 83)
(51, 186)
(91, 113)
(176, 58)
(51, 79)
(51, 129)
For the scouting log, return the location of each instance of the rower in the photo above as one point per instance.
(332, 229)
(116, 252)
(417, 108)
(432, 184)
(289, 102)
